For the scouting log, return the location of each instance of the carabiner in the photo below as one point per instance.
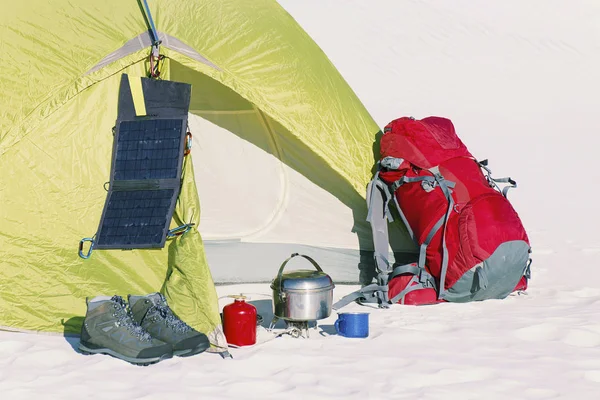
(180, 230)
(188, 143)
(89, 252)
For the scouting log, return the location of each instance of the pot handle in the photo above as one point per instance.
(313, 262)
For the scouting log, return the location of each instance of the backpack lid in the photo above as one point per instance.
(425, 143)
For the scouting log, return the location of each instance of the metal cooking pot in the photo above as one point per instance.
(302, 295)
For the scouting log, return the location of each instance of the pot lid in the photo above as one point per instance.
(303, 279)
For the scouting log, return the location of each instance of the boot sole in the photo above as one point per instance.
(190, 352)
(133, 360)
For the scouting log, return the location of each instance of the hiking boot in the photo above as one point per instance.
(154, 314)
(108, 328)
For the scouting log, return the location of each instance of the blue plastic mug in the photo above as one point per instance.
(353, 324)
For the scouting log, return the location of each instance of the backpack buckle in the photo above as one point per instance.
(428, 186)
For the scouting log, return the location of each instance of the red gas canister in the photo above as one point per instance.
(239, 322)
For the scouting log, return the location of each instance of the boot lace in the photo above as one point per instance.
(165, 312)
(125, 318)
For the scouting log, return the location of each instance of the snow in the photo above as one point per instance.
(519, 80)
(545, 344)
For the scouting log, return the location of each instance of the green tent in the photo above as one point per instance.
(255, 74)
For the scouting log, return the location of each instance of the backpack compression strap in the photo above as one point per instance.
(494, 181)
(421, 279)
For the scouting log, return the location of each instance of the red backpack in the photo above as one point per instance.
(472, 244)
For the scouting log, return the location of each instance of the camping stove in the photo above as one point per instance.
(301, 296)
(295, 329)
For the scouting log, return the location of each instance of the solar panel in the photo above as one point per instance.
(137, 218)
(148, 149)
(146, 168)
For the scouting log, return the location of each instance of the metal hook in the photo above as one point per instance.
(89, 252)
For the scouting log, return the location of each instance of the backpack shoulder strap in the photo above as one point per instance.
(379, 215)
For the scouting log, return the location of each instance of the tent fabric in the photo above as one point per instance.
(58, 103)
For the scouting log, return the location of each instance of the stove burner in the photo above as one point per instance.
(295, 329)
